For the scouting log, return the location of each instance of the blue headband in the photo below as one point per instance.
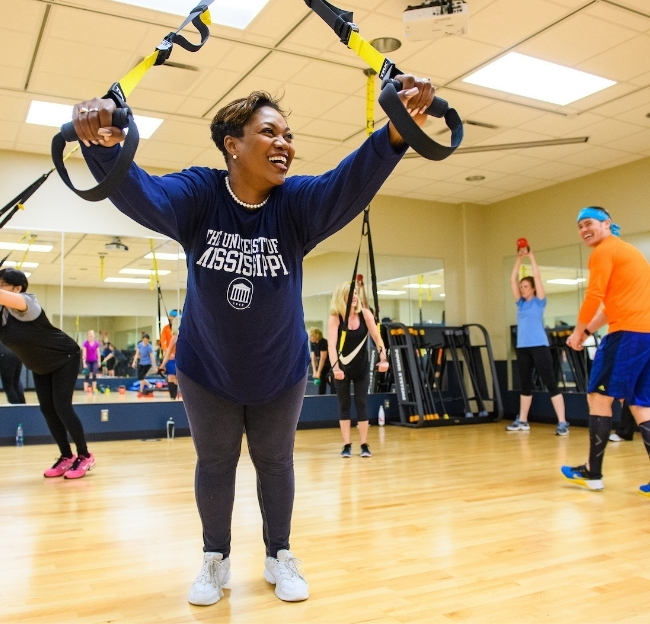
(599, 215)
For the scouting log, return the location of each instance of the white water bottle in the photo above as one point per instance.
(20, 439)
(381, 417)
(170, 428)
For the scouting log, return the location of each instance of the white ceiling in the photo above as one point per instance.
(69, 50)
(82, 259)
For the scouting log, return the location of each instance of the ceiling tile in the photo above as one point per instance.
(595, 156)
(512, 163)
(9, 130)
(623, 62)
(638, 142)
(479, 195)
(609, 130)
(613, 14)
(575, 40)
(506, 114)
(551, 170)
(517, 20)
(13, 108)
(404, 185)
(460, 55)
(560, 125)
(512, 182)
(328, 130)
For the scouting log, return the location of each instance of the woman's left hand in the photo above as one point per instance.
(382, 367)
(417, 95)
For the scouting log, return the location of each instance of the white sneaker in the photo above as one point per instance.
(288, 578)
(214, 574)
(614, 437)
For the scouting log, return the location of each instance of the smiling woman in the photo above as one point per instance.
(242, 355)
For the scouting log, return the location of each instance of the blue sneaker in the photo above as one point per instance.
(346, 453)
(581, 476)
(645, 490)
(562, 429)
(518, 425)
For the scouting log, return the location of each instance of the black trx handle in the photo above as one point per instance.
(411, 132)
(341, 22)
(122, 118)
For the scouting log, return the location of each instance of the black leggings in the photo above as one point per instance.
(217, 426)
(54, 391)
(539, 358)
(91, 367)
(10, 369)
(361, 385)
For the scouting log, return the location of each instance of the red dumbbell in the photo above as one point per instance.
(522, 243)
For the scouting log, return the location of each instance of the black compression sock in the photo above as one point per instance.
(599, 430)
(644, 428)
(173, 389)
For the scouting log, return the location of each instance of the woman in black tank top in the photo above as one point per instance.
(54, 359)
(352, 366)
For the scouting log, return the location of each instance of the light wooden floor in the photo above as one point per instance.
(79, 397)
(457, 524)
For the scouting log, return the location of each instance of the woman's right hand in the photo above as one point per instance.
(338, 374)
(92, 120)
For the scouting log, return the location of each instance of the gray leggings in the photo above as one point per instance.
(217, 426)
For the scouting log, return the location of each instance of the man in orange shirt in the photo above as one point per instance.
(619, 280)
(168, 346)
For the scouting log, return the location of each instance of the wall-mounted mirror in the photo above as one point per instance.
(411, 290)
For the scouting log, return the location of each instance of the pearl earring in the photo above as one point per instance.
(234, 156)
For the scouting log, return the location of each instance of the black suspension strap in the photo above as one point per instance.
(18, 202)
(341, 22)
(123, 116)
(365, 232)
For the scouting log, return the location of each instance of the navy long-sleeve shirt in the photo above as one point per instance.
(243, 335)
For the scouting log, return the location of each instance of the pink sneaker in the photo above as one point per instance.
(61, 466)
(80, 467)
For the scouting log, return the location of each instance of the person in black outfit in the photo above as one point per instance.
(626, 427)
(320, 361)
(352, 365)
(10, 369)
(54, 359)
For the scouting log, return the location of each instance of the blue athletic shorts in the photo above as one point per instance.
(170, 367)
(621, 368)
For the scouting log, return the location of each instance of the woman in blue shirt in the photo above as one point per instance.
(242, 356)
(532, 345)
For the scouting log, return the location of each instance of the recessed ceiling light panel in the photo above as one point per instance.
(55, 115)
(166, 256)
(537, 79)
(234, 13)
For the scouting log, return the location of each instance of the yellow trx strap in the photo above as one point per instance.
(370, 100)
(30, 239)
(154, 273)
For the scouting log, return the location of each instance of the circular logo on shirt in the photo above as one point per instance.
(240, 293)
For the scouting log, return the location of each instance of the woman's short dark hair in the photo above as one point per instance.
(530, 280)
(231, 119)
(14, 277)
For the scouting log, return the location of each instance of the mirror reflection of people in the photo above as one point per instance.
(242, 356)
(90, 356)
(53, 357)
(10, 370)
(533, 352)
(352, 366)
(108, 359)
(617, 296)
(169, 340)
(320, 360)
(143, 360)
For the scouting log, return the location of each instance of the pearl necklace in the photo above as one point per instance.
(240, 202)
